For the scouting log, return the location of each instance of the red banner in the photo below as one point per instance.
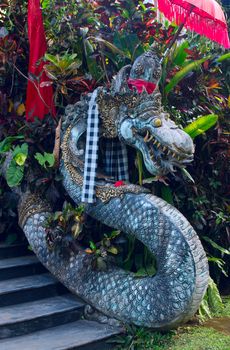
(39, 99)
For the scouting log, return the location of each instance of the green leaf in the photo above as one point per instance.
(129, 44)
(211, 303)
(14, 174)
(214, 298)
(220, 263)
(180, 54)
(138, 258)
(216, 246)
(141, 272)
(5, 145)
(21, 149)
(109, 45)
(20, 158)
(92, 245)
(20, 154)
(52, 58)
(186, 173)
(149, 180)
(114, 234)
(113, 250)
(204, 311)
(45, 3)
(183, 72)
(200, 125)
(45, 160)
(94, 69)
(166, 194)
(151, 270)
(223, 57)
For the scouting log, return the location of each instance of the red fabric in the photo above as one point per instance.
(207, 18)
(38, 104)
(139, 84)
(119, 183)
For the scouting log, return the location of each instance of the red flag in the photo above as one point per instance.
(39, 99)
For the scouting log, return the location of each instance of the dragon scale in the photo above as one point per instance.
(163, 301)
(173, 295)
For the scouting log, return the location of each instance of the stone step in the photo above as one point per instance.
(28, 317)
(20, 266)
(10, 251)
(29, 288)
(80, 335)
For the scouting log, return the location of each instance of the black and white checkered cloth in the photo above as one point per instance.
(116, 160)
(115, 153)
(91, 153)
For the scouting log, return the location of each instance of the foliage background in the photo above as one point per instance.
(88, 42)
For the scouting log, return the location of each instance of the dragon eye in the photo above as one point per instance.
(157, 122)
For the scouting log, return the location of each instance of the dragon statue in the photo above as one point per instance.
(137, 120)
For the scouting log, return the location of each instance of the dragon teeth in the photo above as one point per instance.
(150, 139)
(146, 136)
(164, 149)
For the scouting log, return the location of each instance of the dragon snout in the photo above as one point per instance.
(166, 149)
(183, 144)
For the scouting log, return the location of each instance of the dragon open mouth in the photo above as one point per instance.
(163, 156)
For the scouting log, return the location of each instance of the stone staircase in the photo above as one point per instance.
(38, 313)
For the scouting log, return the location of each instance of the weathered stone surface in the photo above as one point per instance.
(76, 335)
(28, 288)
(34, 319)
(28, 317)
(20, 266)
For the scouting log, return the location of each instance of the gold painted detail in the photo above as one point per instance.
(109, 109)
(66, 156)
(31, 204)
(104, 193)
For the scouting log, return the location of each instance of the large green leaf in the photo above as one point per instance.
(129, 44)
(200, 125)
(183, 72)
(45, 160)
(214, 298)
(5, 145)
(180, 54)
(14, 174)
(93, 67)
(223, 57)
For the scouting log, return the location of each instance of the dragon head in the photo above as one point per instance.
(148, 128)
